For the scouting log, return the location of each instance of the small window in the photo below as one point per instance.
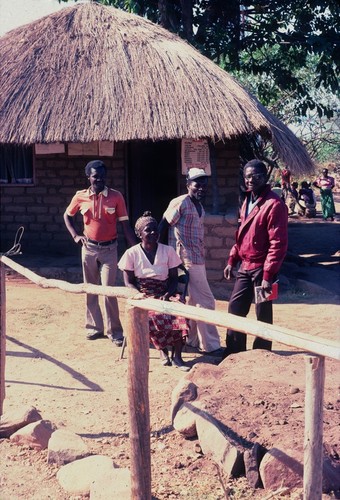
(16, 164)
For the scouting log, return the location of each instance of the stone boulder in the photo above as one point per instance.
(16, 419)
(35, 435)
(185, 419)
(65, 446)
(282, 469)
(76, 478)
(184, 391)
(216, 444)
(113, 486)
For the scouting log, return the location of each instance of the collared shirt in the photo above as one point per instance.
(187, 229)
(262, 238)
(134, 259)
(100, 212)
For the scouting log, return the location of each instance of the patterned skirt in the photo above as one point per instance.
(327, 203)
(165, 330)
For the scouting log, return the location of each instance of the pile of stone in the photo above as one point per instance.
(194, 406)
(80, 473)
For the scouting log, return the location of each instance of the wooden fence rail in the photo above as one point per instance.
(138, 391)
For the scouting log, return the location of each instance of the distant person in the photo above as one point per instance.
(292, 198)
(183, 219)
(326, 184)
(260, 248)
(307, 202)
(101, 208)
(285, 178)
(277, 189)
(152, 269)
(294, 190)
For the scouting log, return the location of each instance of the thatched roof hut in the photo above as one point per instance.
(91, 72)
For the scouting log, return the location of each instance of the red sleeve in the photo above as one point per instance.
(278, 240)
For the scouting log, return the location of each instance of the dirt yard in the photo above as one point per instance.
(82, 385)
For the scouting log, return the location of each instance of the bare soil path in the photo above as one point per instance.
(82, 385)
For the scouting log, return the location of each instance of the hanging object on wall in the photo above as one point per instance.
(96, 148)
(49, 149)
(195, 154)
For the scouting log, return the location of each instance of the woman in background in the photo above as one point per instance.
(326, 183)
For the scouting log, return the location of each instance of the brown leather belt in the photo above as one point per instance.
(101, 243)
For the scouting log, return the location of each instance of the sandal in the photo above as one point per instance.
(166, 362)
(181, 366)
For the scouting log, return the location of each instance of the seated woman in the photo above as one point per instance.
(307, 203)
(151, 268)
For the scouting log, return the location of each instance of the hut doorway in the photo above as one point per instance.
(153, 179)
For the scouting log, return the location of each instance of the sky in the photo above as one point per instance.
(14, 13)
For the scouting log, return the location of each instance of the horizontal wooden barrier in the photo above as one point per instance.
(137, 333)
(292, 338)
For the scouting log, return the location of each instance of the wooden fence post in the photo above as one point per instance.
(138, 392)
(2, 334)
(313, 450)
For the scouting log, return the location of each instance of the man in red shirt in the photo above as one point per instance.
(260, 248)
(101, 208)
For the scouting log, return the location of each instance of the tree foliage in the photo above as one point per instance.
(267, 38)
(286, 53)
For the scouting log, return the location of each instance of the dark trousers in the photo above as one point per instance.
(239, 304)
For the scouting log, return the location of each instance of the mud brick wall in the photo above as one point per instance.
(219, 238)
(40, 208)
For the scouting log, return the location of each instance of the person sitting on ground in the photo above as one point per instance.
(152, 269)
(307, 202)
(294, 190)
(292, 198)
(277, 189)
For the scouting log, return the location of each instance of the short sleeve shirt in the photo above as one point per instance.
(100, 212)
(187, 234)
(134, 259)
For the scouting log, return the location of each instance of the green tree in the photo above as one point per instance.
(267, 38)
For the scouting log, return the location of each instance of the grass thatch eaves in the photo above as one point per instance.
(91, 72)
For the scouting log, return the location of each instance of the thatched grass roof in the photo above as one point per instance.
(92, 72)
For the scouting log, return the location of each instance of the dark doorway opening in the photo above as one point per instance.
(152, 177)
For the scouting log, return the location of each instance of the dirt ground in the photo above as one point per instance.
(82, 385)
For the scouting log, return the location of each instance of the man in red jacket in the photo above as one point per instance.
(260, 248)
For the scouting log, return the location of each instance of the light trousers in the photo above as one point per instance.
(201, 335)
(100, 267)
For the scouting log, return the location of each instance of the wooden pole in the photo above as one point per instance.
(138, 393)
(313, 451)
(2, 334)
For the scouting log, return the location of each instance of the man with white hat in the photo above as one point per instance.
(184, 216)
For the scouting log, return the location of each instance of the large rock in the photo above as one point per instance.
(16, 419)
(116, 485)
(331, 476)
(252, 459)
(184, 391)
(76, 478)
(216, 444)
(185, 419)
(282, 469)
(35, 435)
(65, 446)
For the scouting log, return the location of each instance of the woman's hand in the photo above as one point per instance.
(166, 296)
(139, 296)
